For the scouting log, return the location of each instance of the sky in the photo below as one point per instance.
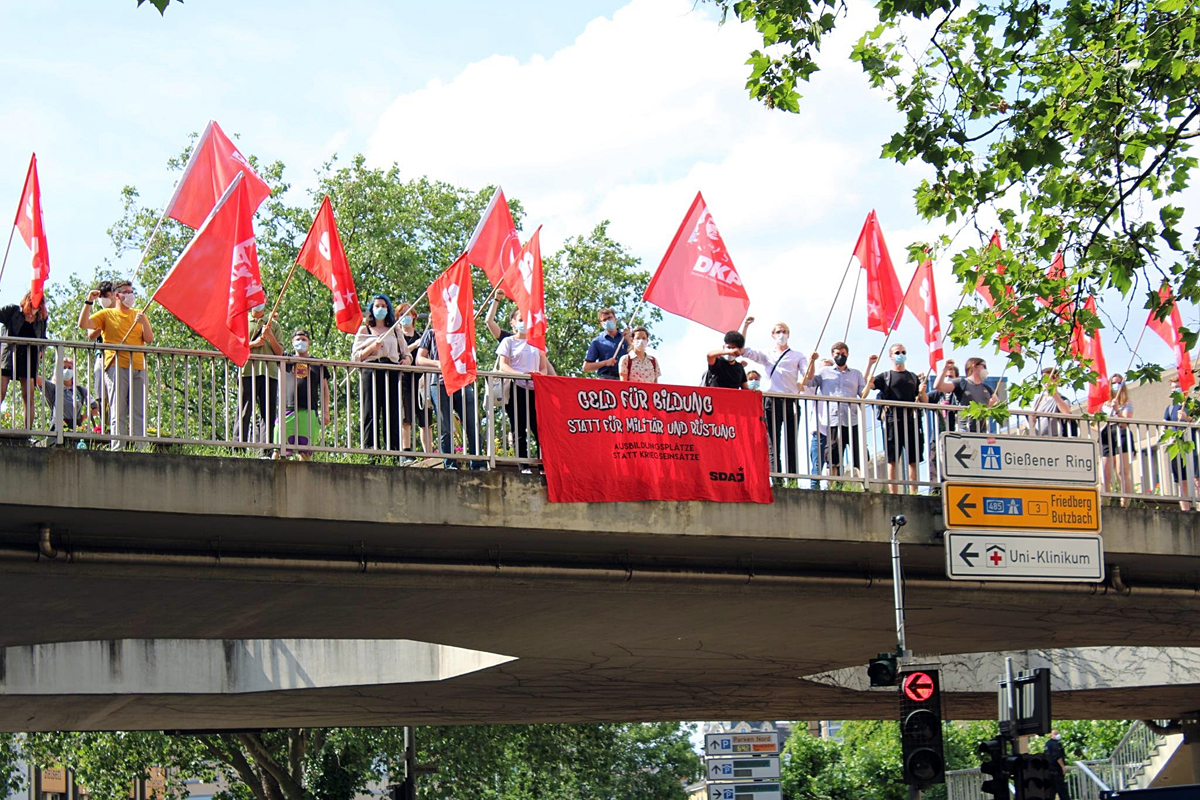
(585, 111)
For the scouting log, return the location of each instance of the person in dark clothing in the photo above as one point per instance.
(1058, 764)
(724, 371)
(20, 361)
(903, 430)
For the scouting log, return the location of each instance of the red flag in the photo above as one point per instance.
(1168, 330)
(526, 287)
(323, 256)
(986, 293)
(213, 165)
(921, 300)
(452, 317)
(884, 299)
(33, 230)
(696, 278)
(1087, 346)
(1065, 307)
(216, 280)
(494, 246)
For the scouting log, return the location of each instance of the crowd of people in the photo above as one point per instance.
(397, 404)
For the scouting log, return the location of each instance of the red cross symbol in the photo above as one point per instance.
(995, 558)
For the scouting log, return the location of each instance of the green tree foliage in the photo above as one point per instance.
(866, 764)
(1071, 122)
(650, 762)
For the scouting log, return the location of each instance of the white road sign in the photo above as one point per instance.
(741, 744)
(741, 769)
(979, 456)
(1003, 556)
(745, 791)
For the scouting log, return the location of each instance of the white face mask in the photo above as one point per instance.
(519, 327)
(639, 344)
(106, 302)
(68, 373)
(127, 298)
(260, 308)
(781, 338)
(982, 373)
(300, 346)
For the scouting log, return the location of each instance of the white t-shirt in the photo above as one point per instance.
(522, 356)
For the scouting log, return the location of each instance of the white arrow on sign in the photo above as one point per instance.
(976, 456)
(1038, 557)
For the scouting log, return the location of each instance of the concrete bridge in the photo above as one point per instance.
(641, 611)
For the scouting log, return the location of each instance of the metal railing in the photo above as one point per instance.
(348, 410)
(1086, 780)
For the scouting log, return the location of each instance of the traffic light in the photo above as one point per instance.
(1035, 780)
(993, 768)
(882, 670)
(921, 728)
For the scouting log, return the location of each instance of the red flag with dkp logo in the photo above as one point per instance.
(30, 223)
(216, 280)
(526, 287)
(452, 317)
(323, 256)
(696, 278)
(215, 162)
(921, 300)
(1168, 330)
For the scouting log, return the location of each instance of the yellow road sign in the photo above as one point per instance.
(1023, 508)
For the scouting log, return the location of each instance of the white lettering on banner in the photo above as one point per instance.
(454, 321)
(526, 267)
(323, 246)
(716, 270)
(243, 253)
(929, 317)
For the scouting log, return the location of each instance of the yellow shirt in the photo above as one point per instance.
(113, 325)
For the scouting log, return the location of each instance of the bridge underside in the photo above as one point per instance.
(655, 611)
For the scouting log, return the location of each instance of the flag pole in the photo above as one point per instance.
(6, 249)
(846, 272)
(896, 318)
(150, 241)
(853, 299)
(279, 297)
(1133, 355)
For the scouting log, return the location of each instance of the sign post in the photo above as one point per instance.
(742, 766)
(1004, 556)
(1023, 459)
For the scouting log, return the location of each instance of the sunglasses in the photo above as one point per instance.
(900, 353)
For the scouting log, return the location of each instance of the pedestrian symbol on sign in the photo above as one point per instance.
(990, 456)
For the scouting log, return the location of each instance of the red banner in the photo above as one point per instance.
(604, 441)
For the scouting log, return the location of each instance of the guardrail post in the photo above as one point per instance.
(59, 396)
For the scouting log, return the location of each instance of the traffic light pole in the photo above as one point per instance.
(899, 522)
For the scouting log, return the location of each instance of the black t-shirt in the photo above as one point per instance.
(946, 420)
(305, 389)
(727, 374)
(896, 387)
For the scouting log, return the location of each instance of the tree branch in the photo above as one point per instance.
(231, 756)
(258, 751)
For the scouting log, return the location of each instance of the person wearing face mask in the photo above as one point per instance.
(903, 430)
(517, 355)
(783, 366)
(378, 342)
(20, 361)
(1185, 469)
(78, 405)
(754, 380)
(1054, 751)
(259, 386)
(107, 299)
(724, 371)
(965, 391)
(1115, 441)
(639, 365)
(605, 350)
(305, 389)
(837, 423)
(124, 371)
(416, 406)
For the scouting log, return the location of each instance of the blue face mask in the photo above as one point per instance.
(68, 373)
(752, 384)
(519, 327)
(379, 311)
(610, 325)
(900, 358)
(406, 320)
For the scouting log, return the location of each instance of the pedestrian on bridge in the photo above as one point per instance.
(1185, 469)
(379, 342)
(305, 390)
(903, 430)
(517, 355)
(1115, 439)
(837, 423)
(783, 366)
(124, 371)
(259, 383)
(20, 361)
